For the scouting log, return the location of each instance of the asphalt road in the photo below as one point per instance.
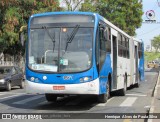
(137, 100)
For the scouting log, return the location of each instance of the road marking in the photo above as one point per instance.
(10, 96)
(137, 95)
(43, 102)
(104, 104)
(28, 99)
(128, 102)
(127, 120)
(11, 93)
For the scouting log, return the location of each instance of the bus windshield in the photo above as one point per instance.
(59, 49)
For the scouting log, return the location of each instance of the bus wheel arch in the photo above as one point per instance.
(109, 85)
(102, 98)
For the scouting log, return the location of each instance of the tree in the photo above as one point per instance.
(124, 14)
(156, 42)
(14, 14)
(72, 5)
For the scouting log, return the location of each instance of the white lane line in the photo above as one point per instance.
(137, 95)
(10, 96)
(104, 104)
(43, 102)
(28, 99)
(128, 102)
(11, 93)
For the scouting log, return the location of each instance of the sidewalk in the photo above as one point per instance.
(155, 105)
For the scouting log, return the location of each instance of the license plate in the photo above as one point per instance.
(58, 87)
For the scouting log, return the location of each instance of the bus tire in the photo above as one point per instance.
(122, 91)
(102, 98)
(51, 97)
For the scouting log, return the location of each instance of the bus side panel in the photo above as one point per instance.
(141, 69)
(132, 62)
(141, 65)
(104, 73)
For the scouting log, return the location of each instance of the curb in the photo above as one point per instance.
(154, 94)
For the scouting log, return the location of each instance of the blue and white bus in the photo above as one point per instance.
(80, 53)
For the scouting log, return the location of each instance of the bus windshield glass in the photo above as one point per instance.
(60, 49)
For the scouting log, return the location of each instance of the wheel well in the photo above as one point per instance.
(110, 80)
(109, 77)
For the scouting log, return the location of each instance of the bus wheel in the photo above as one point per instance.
(102, 98)
(122, 92)
(51, 97)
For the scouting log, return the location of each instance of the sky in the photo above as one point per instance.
(149, 30)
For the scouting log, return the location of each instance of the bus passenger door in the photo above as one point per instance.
(114, 61)
(104, 57)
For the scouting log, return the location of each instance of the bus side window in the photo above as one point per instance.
(97, 49)
(107, 40)
(120, 49)
(103, 48)
(128, 56)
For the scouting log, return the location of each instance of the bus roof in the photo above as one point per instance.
(97, 16)
(61, 13)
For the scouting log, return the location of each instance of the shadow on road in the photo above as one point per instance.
(70, 103)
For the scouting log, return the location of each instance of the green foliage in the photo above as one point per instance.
(14, 14)
(124, 14)
(150, 56)
(156, 42)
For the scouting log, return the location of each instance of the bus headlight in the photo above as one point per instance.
(32, 79)
(36, 80)
(85, 79)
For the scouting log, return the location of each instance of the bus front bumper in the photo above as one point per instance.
(91, 87)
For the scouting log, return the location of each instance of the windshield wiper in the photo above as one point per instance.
(52, 38)
(69, 40)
